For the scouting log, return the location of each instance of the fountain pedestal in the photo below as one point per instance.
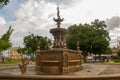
(58, 61)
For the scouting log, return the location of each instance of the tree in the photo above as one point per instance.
(21, 50)
(4, 45)
(93, 37)
(45, 43)
(78, 33)
(7, 35)
(5, 40)
(102, 43)
(108, 51)
(118, 53)
(31, 43)
(3, 3)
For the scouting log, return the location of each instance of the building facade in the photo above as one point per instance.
(13, 54)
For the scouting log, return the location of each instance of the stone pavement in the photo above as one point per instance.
(89, 69)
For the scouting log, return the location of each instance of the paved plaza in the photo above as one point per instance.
(89, 69)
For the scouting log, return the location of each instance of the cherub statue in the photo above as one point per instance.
(23, 66)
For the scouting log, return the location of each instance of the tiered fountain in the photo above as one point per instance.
(59, 59)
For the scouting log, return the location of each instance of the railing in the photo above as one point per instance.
(57, 77)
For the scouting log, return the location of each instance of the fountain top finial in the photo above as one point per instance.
(58, 13)
(58, 20)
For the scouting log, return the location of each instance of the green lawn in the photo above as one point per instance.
(11, 62)
(117, 60)
(114, 61)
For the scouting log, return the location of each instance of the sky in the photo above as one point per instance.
(36, 16)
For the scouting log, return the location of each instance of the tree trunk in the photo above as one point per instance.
(84, 56)
(99, 56)
(95, 57)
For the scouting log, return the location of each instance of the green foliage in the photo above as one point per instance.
(12, 62)
(117, 60)
(92, 37)
(3, 3)
(4, 45)
(45, 43)
(109, 51)
(4, 40)
(31, 43)
(21, 50)
(118, 53)
(7, 35)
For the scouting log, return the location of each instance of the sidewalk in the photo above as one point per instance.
(89, 69)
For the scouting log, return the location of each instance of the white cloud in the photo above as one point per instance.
(113, 22)
(2, 27)
(35, 16)
(115, 35)
(2, 21)
(64, 3)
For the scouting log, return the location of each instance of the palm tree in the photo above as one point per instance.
(98, 24)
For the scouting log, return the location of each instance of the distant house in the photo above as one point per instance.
(13, 54)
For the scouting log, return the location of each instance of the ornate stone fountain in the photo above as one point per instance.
(58, 60)
(58, 33)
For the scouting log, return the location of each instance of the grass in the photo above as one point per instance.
(117, 60)
(114, 61)
(12, 62)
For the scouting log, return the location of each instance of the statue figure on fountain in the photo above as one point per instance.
(23, 66)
